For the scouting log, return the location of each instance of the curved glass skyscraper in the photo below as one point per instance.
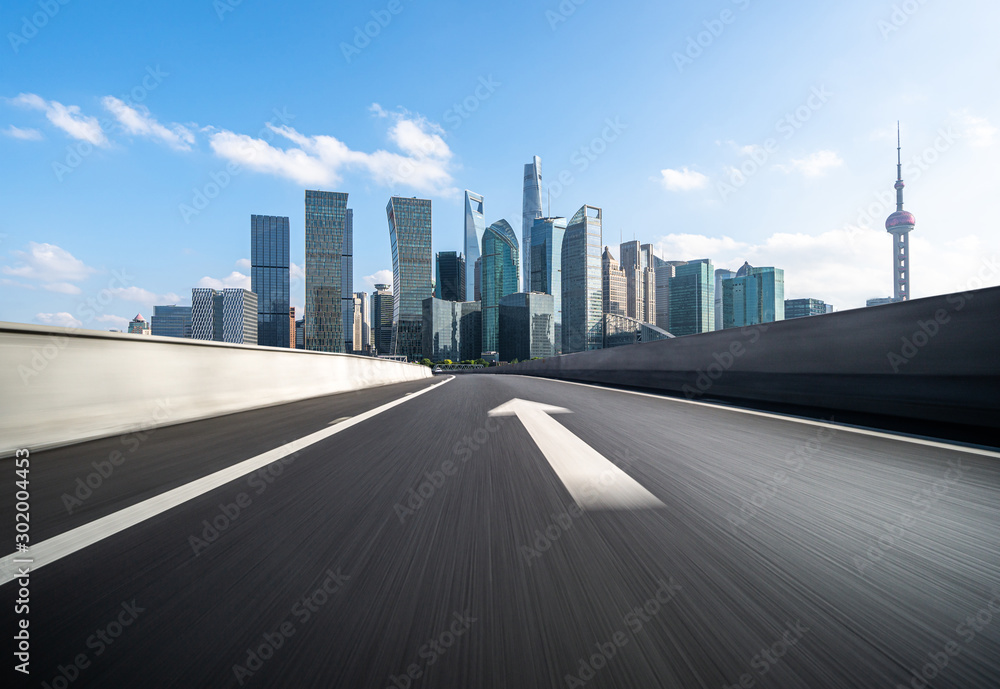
(475, 225)
(499, 277)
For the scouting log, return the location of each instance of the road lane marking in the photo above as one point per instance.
(55, 548)
(780, 417)
(594, 482)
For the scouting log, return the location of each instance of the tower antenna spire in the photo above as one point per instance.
(899, 157)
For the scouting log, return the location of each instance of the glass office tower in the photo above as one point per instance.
(475, 225)
(226, 316)
(582, 293)
(326, 232)
(755, 295)
(451, 330)
(527, 326)
(171, 321)
(269, 277)
(382, 319)
(499, 277)
(692, 298)
(546, 266)
(721, 275)
(449, 282)
(412, 270)
(531, 209)
(794, 308)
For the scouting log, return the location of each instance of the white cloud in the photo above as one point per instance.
(61, 319)
(138, 121)
(684, 247)
(244, 263)
(814, 165)
(66, 117)
(322, 160)
(62, 287)
(23, 134)
(977, 130)
(683, 180)
(296, 273)
(120, 322)
(48, 263)
(381, 277)
(234, 279)
(419, 138)
(143, 296)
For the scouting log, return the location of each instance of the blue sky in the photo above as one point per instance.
(737, 130)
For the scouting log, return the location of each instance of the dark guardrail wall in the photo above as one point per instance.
(936, 358)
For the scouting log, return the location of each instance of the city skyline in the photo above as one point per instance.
(829, 163)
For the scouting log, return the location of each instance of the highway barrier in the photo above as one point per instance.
(936, 358)
(65, 385)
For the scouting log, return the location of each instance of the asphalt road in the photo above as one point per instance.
(433, 545)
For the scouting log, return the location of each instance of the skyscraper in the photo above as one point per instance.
(412, 269)
(347, 284)
(640, 280)
(582, 322)
(546, 266)
(614, 285)
(475, 225)
(499, 277)
(531, 209)
(226, 316)
(382, 319)
(753, 296)
(451, 330)
(720, 275)
(899, 225)
(362, 327)
(326, 232)
(291, 327)
(527, 326)
(663, 272)
(449, 282)
(171, 321)
(269, 277)
(692, 298)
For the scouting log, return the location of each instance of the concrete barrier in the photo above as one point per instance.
(61, 386)
(936, 359)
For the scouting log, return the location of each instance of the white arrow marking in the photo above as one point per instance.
(594, 482)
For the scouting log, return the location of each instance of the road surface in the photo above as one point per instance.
(579, 537)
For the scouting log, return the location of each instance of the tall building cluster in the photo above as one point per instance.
(554, 292)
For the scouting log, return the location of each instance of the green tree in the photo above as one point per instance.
(426, 362)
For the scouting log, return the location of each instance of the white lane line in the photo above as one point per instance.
(49, 551)
(594, 482)
(792, 419)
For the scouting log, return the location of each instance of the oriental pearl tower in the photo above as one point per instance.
(899, 225)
